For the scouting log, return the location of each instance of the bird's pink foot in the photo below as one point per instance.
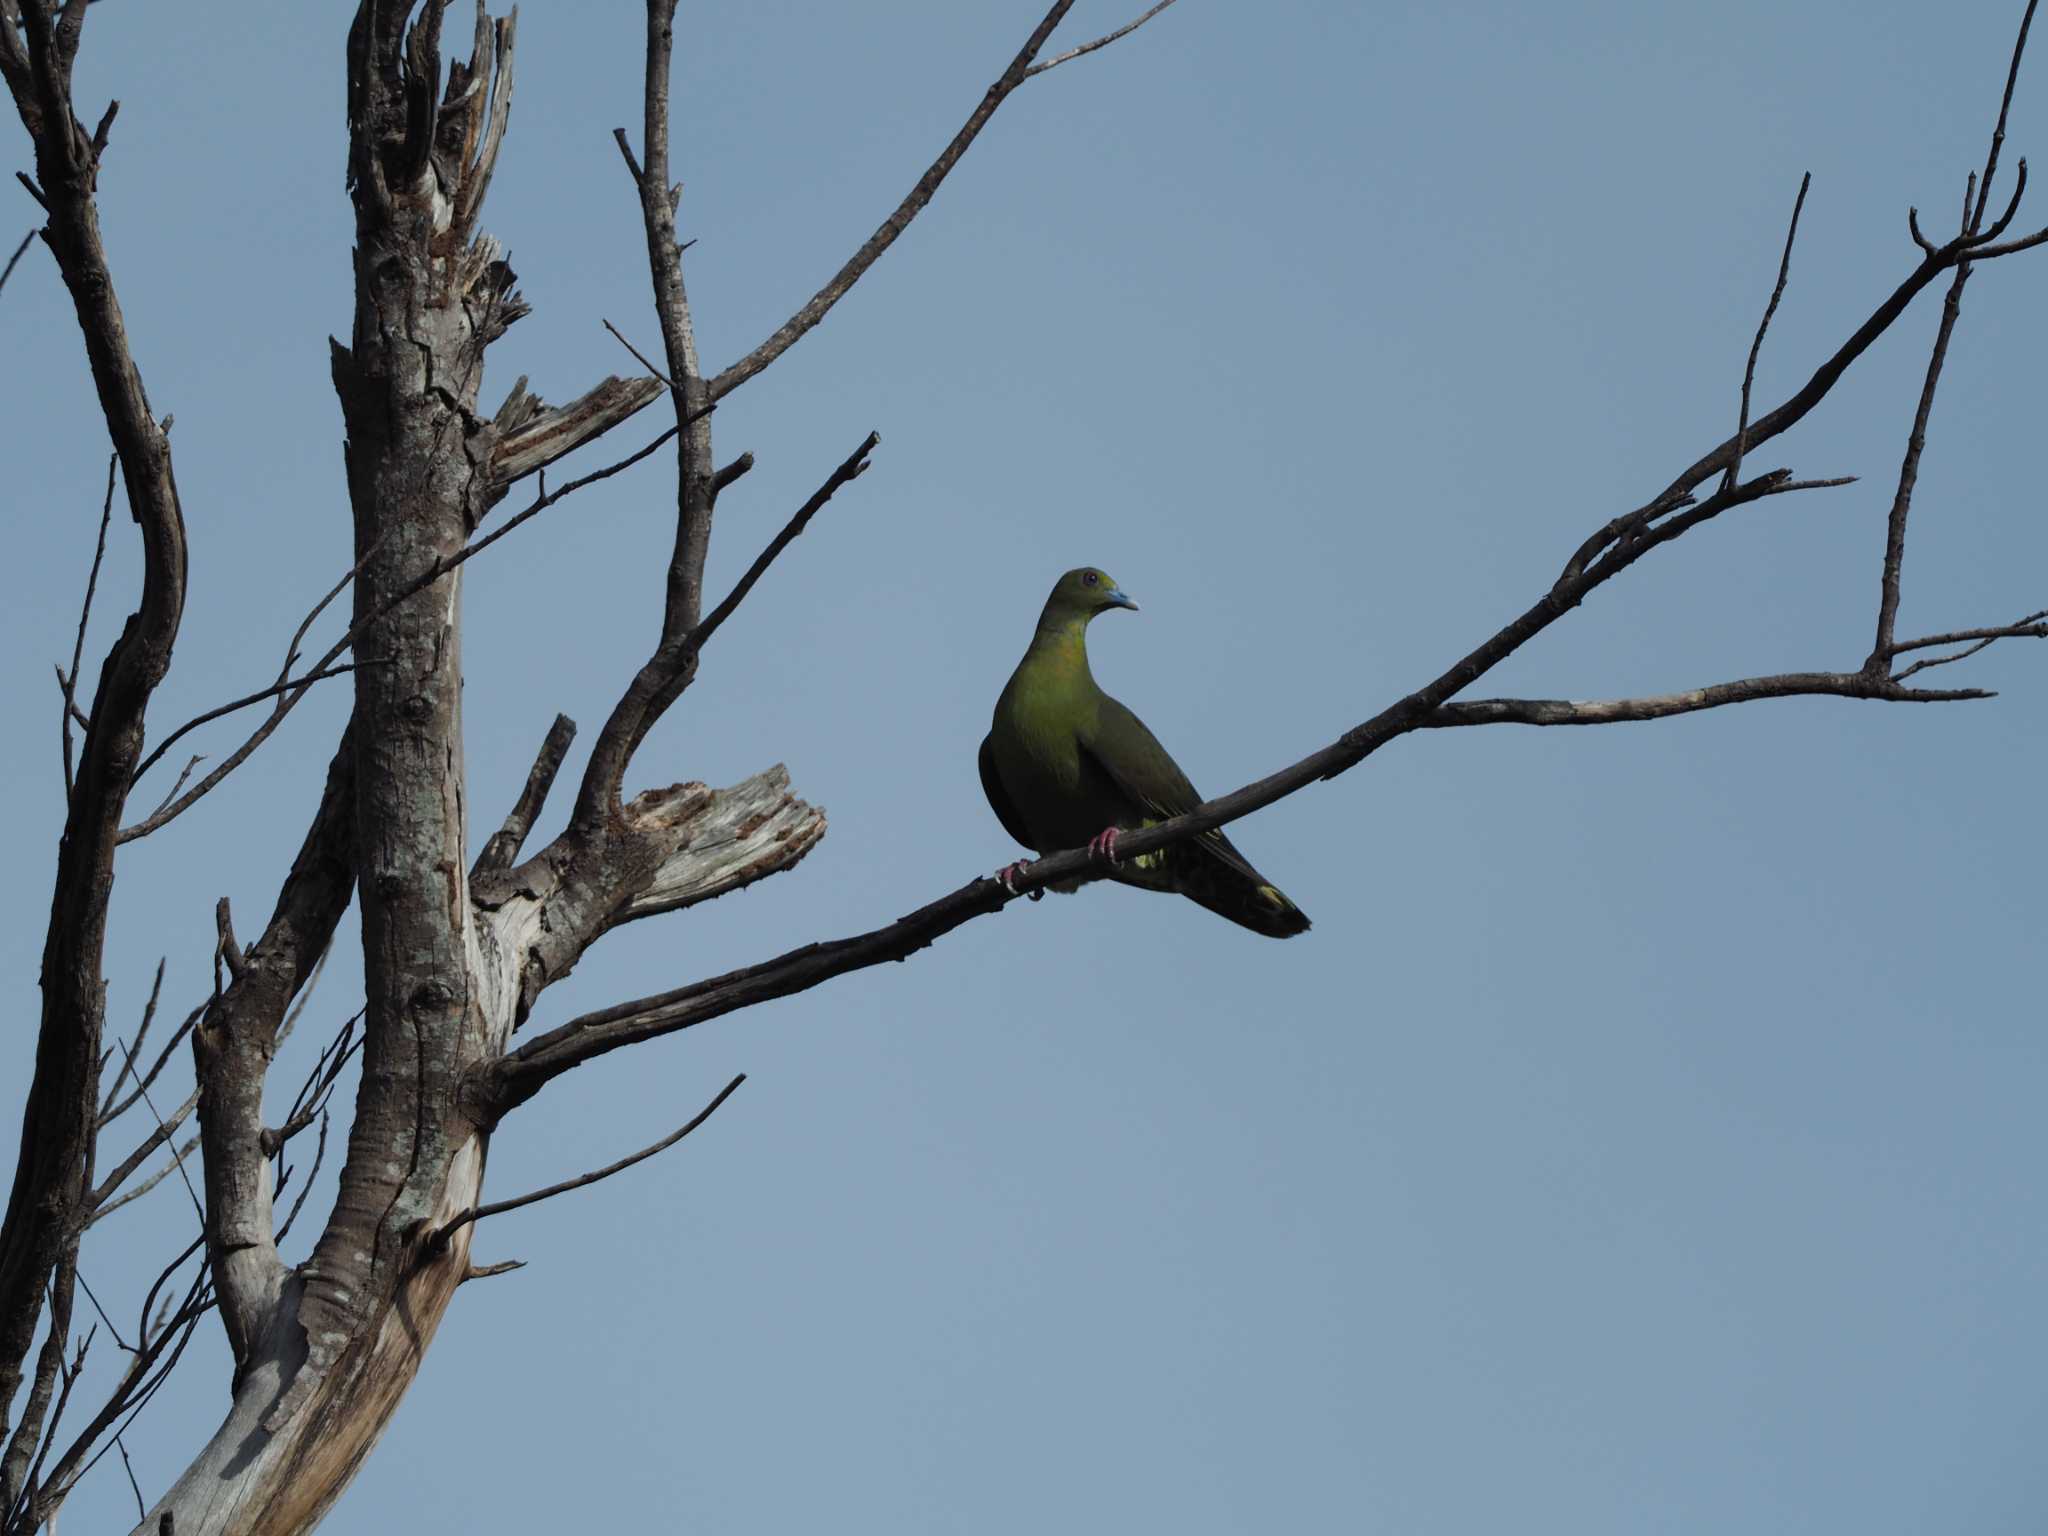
(1103, 846)
(1006, 877)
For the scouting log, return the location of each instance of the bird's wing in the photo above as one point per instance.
(1132, 758)
(999, 798)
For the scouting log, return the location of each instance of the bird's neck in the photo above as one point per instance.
(1061, 645)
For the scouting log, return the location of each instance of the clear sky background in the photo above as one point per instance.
(1649, 1135)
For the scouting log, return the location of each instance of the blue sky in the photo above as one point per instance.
(1648, 1135)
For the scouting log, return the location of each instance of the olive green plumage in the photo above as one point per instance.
(1063, 762)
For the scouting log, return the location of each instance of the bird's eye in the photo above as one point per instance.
(1091, 578)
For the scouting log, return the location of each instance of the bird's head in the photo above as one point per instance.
(1081, 594)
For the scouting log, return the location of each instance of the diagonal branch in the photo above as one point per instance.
(675, 660)
(8, 270)
(156, 989)
(2032, 625)
(1734, 470)
(69, 680)
(1909, 473)
(518, 1075)
(850, 469)
(791, 330)
(439, 1241)
(1101, 42)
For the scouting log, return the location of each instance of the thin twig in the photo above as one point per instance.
(1975, 215)
(141, 1509)
(319, 1153)
(156, 988)
(156, 1068)
(425, 579)
(184, 777)
(115, 1333)
(1101, 42)
(92, 581)
(198, 1209)
(1734, 472)
(638, 356)
(851, 468)
(143, 1329)
(440, 1238)
(317, 675)
(1942, 661)
(1909, 473)
(673, 663)
(318, 1087)
(9, 271)
(820, 304)
(101, 1213)
(2032, 625)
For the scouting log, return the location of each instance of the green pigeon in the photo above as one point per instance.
(1064, 764)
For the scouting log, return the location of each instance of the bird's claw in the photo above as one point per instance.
(1006, 877)
(1103, 846)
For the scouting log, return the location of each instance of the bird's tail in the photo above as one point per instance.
(1245, 898)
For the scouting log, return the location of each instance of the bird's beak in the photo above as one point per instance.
(1115, 598)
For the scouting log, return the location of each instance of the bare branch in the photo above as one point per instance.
(485, 1271)
(850, 469)
(236, 1042)
(177, 1163)
(638, 356)
(305, 1189)
(502, 851)
(125, 1170)
(1975, 216)
(1844, 685)
(674, 661)
(632, 165)
(53, 1168)
(69, 679)
(155, 1069)
(30, 1442)
(792, 329)
(156, 988)
(1101, 42)
(294, 685)
(554, 433)
(229, 950)
(439, 1240)
(433, 573)
(2031, 625)
(165, 1129)
(742, 465)
(518, 1075)
(723, 840)
(1909, 470)
(105, 1321)
(317, 1089)
(141, 1508)
(8, 270)
(1734, 470)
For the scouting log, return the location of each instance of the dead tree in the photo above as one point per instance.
(456, 958)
